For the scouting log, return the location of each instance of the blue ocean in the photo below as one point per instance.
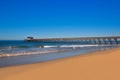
(17, 52)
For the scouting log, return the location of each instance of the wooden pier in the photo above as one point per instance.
(109, 40)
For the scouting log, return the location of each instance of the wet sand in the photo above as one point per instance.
(100, 65)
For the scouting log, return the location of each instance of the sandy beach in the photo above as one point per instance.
(100, 65)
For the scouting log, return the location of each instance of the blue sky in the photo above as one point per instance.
(59, 18)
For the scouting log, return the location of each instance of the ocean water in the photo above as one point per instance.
(17, 52)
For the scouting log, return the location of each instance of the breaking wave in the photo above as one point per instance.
(30, 53)
(8, 52)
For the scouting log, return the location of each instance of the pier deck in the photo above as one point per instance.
(86, 40)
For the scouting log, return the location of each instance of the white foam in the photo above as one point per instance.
(49, 46)
(78, 45)
(72, 46)
(30, 53)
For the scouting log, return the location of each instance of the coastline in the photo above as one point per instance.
(99, 65)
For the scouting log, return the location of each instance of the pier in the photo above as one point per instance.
(108, 40)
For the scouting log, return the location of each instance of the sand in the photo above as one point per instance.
(101, 65)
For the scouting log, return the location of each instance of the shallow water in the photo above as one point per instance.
(18, 60)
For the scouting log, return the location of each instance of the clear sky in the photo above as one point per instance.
(59, 18)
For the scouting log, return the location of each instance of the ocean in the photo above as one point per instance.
(17, 52)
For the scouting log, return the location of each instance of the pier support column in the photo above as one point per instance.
(115, 42)
(99, 41)
(110, 41)
(105, 42)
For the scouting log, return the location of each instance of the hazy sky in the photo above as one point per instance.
(59, 18)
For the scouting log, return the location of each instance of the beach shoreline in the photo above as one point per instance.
(99, 65)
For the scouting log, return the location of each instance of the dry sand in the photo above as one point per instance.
(101, 65)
